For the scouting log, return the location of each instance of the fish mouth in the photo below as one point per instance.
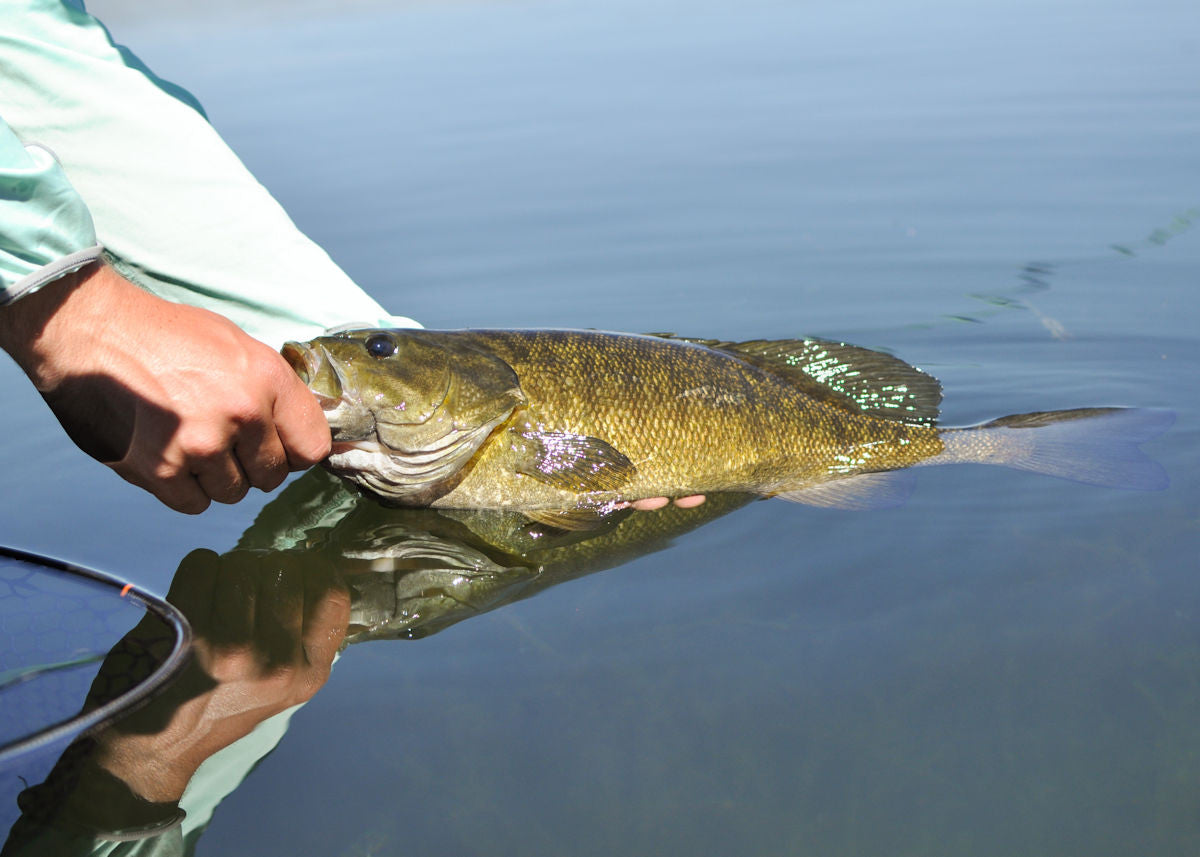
(312, 365)
(301, 359)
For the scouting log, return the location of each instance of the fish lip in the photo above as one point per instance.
(302, 360)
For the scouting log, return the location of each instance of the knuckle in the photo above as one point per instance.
(266, 468)
(243, 409)
(233, 494)
(169, 481)
(275, 369)
(204, 444)
(165, 472)
(270, 372)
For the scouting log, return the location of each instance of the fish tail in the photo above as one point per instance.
(1096, 446)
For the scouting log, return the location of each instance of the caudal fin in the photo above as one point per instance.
(1097, 446)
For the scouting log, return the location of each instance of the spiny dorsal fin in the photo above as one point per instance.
(848, 376)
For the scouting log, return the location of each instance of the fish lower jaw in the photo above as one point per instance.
(407, 478)
(345, 447)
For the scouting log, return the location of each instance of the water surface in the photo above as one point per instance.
(1004, 195)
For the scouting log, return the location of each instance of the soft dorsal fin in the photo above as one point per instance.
(848, 376)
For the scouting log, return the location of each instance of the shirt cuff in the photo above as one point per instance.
(68, 264)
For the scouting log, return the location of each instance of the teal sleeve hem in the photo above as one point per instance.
(49, 273)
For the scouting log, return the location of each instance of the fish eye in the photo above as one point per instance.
(380, 345)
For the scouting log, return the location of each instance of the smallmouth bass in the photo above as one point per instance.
(580, 422)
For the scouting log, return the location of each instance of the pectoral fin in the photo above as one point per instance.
(571, 462)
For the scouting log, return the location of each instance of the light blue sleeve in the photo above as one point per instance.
(46, 230)
(175, 209)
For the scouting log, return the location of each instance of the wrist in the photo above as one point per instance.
(39, 330)
(93, 801)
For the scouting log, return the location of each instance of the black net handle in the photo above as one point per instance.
(167, 670)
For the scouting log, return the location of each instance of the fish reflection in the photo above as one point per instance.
(321, 569)
(414, 572)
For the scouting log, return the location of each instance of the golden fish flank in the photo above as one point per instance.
(564, 419)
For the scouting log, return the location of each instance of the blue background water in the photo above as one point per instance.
(1001, 193)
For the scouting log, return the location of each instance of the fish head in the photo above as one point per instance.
(407, 408)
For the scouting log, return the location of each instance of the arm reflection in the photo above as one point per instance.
(267, 628)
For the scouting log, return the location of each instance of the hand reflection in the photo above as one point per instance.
(267, 628)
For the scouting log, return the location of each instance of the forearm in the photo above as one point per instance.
(30, 326)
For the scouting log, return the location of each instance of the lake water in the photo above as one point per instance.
(1004, 194)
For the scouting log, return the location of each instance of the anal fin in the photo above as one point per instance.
(859, 493)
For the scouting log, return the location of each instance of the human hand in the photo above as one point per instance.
(176, 399)
(650, 504)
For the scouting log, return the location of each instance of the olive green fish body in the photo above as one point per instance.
(690, 419)
(563, 420)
